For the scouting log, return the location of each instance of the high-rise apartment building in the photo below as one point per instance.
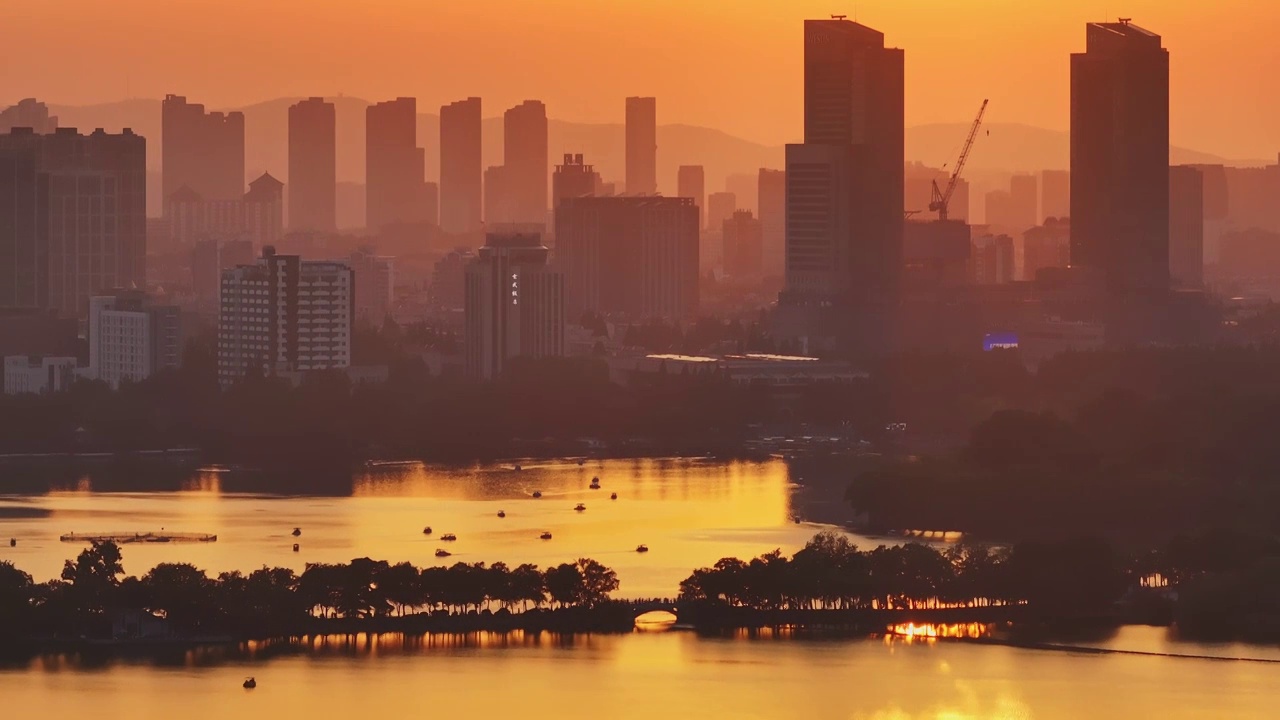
(1186, 226)
(264, 210)
(1046, 246)
(515, 304)
(28, 113)
(642, 146)
(313, 174)
(499, 205)
(524, 154)
(1055, 194)
(132, 338)
(284, 313)
(771, 188)
(743, 246)
(1024, 197)
(394, 164)
(203, 151)
(691, 182)
(573, 178)
(845, 183)
(720, 207)
(78, 222)
(631, 255)
(1120, 157)
(460, 167)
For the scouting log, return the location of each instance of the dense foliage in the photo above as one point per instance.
(277, 600)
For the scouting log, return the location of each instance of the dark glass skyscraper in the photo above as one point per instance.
(1120, 157)
(313, 179)
(845, 183)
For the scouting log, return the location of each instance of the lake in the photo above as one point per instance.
(647, 675)
(689, 512)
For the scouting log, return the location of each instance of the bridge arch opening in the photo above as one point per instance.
(655, 620)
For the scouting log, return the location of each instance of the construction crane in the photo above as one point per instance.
(941, 199)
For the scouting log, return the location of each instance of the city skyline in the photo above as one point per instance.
(1025, 72)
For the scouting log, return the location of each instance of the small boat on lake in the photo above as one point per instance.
(518, 468)
(250, 683)
(613, 496)
(537, 493)
(296, 532)
(545, 536)
(595, 483)
(443, 553)
(502, 513)
(580, 507)
(13, 542)
(426, 530)
(642, 548)
(448, 537)
(295, 547)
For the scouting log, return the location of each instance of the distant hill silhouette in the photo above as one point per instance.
(1007, 147)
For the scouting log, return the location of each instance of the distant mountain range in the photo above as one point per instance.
(1002, 148)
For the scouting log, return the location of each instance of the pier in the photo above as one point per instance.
(121, 538)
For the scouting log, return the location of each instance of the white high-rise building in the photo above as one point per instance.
(284, 314)
(131, 339)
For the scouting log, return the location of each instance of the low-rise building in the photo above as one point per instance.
(38, 375)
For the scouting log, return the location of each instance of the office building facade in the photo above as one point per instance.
(636, 256)
(1120, 157)
(514, 304)
(132, 338)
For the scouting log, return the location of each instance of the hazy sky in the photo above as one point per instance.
(731, 64)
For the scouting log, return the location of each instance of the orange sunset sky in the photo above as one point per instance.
(729, 64)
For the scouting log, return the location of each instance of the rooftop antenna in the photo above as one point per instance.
(839, 17)
(1125, 21)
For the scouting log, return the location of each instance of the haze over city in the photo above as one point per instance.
(724, 64)
(910, 360)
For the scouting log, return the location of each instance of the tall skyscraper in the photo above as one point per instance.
(460, 169)
(632, 255)
(313, 174)
(743, 246)
(28, 113)
(1120, 157)
(642, 146)
(1024, 197)
(284, 313)
(514, 306)
(720, 207)
(772, 201)
(1186, 226)
(499, 207)
(394, 164)
(573, 178)
(88, 227)
(845, 183)
(691, 182)
(202, 151)
(524, 153)
(264, 210)
(1055, 194)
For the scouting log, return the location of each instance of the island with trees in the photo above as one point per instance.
(1219, 587)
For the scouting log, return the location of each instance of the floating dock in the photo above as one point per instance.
(121, 538)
